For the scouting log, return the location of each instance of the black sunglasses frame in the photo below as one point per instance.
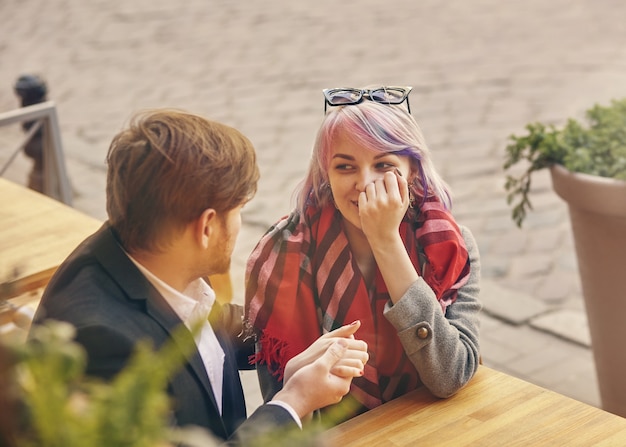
(366, 94)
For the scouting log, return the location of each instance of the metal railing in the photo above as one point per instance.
(55, 180)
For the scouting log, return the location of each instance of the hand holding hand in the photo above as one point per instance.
(354, 357)
(315, 386)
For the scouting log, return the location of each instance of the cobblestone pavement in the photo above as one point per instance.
(481, 70)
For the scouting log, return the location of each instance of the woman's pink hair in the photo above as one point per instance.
(383, 128)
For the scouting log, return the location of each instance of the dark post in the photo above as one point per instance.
(32, 90)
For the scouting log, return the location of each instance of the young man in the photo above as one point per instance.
(176, 184)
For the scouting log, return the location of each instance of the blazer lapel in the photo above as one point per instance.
(110, 254)
(158, 308)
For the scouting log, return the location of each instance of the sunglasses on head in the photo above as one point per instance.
(349, 96)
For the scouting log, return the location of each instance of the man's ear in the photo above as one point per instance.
(204, 226)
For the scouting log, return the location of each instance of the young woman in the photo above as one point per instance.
(372, 238)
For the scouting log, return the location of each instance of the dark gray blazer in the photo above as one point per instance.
(112, 305)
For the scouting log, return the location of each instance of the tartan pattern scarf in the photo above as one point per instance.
(302, 281)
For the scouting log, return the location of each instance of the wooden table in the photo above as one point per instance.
(494, 409)
(36, 234)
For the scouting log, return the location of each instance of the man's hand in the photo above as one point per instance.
(315, 386)
(355, 355)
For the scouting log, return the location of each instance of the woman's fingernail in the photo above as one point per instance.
(398, 172)
(354, 322)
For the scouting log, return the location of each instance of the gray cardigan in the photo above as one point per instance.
(447, 354)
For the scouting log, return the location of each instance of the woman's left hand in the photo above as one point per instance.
(382, 206)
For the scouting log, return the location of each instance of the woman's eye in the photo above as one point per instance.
(385, 166)
(343, 167)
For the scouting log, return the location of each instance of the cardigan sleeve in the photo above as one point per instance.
(443, 348)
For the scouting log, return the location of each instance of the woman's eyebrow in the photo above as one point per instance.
(350, 157)
(382, 155)
(344, 156)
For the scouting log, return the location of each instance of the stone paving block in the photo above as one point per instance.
(494, 267)
(540, 358)
(509, 305)
(558, 286)
(578, 379)
(510, 243)
(567, 259)
(500, 221)
(526, 285)
(548, 352)
(549, 217)
(520, 340)
(574, 377)
(569, 324)
(532, 264)
(546, 239)
(495, 353)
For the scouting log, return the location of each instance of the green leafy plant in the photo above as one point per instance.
(61, 406)
(597, 148)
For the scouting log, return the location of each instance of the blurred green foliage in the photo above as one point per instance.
(59, 406)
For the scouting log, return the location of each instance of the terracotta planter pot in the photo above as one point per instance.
(597, 208)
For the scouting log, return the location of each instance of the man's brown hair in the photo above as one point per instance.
(169, 166)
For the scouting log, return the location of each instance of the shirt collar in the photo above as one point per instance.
(194, 303)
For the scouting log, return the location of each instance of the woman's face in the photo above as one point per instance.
(354, 166)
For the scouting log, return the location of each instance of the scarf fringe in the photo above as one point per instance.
(274, 353)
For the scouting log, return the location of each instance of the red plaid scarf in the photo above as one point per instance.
(302, 281)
